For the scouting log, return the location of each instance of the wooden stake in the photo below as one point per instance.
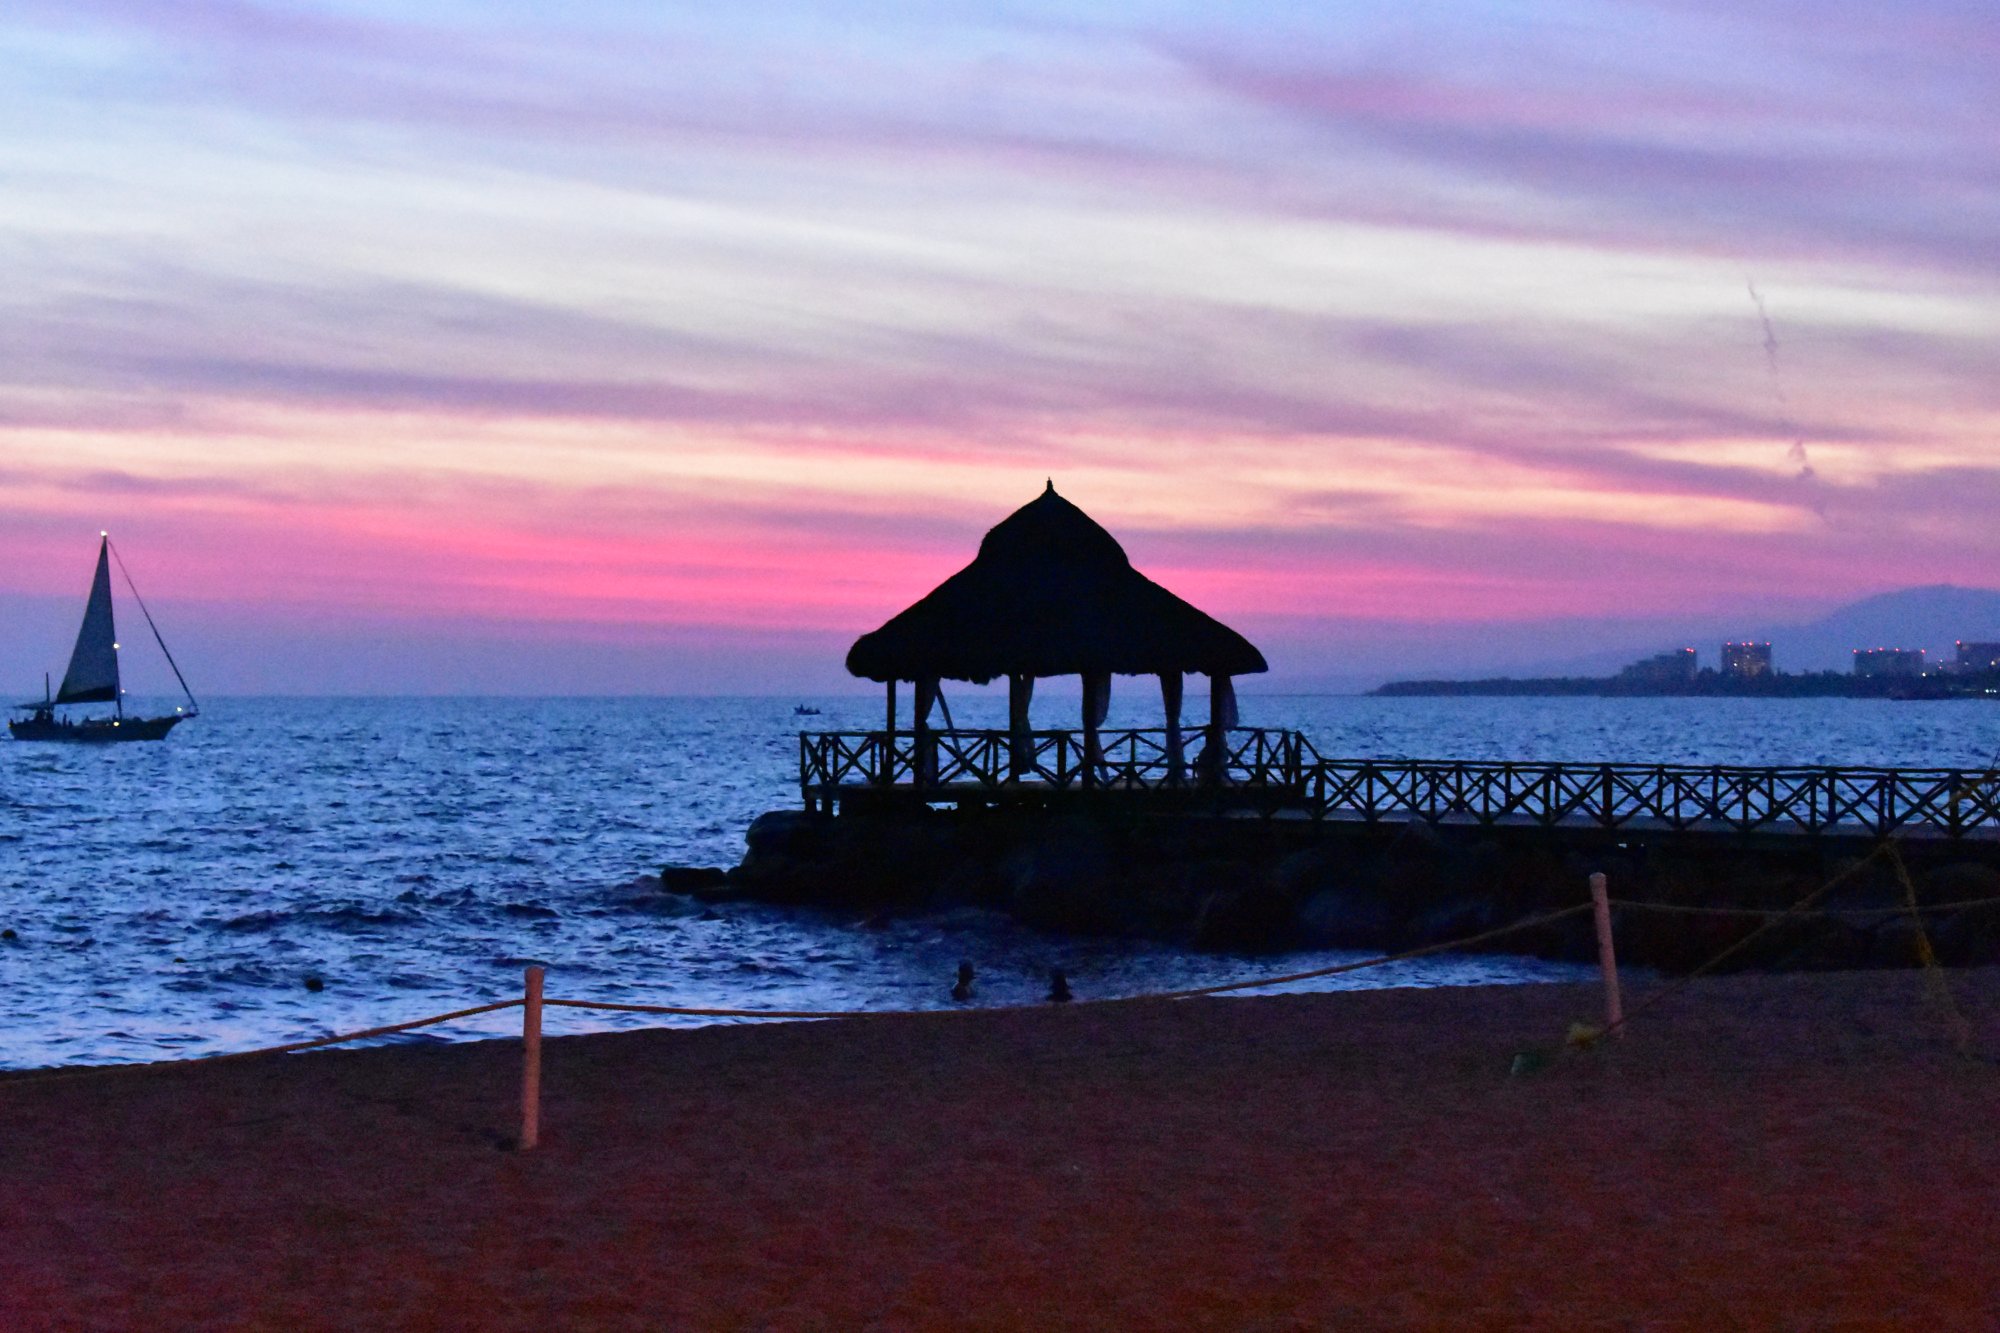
(1607, 957)
(531, 1060)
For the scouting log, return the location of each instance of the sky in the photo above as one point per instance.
(438, 347)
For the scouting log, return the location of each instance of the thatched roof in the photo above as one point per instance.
(1050, 594)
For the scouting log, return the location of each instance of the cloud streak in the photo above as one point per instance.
(757, 317)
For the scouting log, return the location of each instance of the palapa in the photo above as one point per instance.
(1051, 593)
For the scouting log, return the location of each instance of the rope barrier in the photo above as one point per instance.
(1338, 968)
(1682, 982)
(365, 1033)
(1771, 917)
(1899, 909)
(693, 1011)
(1934, 982)
(286, 1049)
(1190, 993)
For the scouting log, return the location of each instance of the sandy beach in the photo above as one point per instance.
(1804, 1151)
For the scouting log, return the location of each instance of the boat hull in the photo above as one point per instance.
(93, 731)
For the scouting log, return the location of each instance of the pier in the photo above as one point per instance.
(1242, 837)
(1267, 773)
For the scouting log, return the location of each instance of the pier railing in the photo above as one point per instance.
(1870, 802)
(1134, 758)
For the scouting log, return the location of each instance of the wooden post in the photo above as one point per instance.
(1607, 957)
(531, 1060)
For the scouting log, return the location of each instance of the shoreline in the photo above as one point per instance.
(1792, 1149)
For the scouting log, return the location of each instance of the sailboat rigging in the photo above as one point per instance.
(92, 676)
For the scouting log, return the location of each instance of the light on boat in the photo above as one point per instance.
(116, 646)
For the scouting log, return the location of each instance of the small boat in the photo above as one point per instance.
(93, 676)
(805, 710)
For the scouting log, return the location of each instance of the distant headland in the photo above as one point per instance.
(1746, 671)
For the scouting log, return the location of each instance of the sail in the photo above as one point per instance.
(93, 665)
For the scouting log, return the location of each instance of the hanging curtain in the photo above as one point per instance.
(1096, 697)
(1020, 734)
(885, 764)
(1213, 764)
(1222, 701)
(1096, 704)
(926, 765)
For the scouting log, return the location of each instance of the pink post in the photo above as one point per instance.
(1607, 957)
(531, 1060)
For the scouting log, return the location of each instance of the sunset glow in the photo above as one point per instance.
(722, 333)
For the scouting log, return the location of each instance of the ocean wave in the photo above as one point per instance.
(328, 918)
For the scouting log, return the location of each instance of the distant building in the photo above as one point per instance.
(1671, 668)
(1888, 661)
(1978, 656)
(1746, 661)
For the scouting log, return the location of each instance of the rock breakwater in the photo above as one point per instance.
(1274, 884)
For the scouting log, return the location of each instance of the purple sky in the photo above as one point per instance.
(627, 347)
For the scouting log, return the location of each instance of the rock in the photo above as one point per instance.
(1303, 873)
(1453, 919)
(790, 833)
(1962, 881)
(1060, 881)
(1967, 938)
(1345, 919)
(1827, 946)
(1894, 944)
(692, 879)
(1248, 919)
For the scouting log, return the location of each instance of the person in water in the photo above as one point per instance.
(963, 990)
(1058, 987)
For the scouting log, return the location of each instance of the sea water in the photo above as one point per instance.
(413, 855)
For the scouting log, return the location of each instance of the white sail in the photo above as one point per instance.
(93, 665)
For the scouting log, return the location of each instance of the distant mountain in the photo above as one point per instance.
(1359, 655)
(1932, 618)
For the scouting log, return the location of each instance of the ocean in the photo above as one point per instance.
(413, 855)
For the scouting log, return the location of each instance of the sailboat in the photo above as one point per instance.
(93, 675)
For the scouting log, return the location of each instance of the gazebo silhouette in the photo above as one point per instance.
(1051, 593)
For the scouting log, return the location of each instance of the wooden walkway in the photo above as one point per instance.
(1279, 774)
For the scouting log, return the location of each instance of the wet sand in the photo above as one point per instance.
(1803, 1151)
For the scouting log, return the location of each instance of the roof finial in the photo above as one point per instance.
(1052, 487)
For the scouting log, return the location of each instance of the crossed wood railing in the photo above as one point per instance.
(1936, 802)
(1284, 768)
(1137, 757)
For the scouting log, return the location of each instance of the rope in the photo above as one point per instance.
(1934, 982)
(287, 1048)
(1190, 993)
(1798, 908)
(1405, 956)
(693, 1011)
(1897, 910)
(1776, 916)
(157, 638)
